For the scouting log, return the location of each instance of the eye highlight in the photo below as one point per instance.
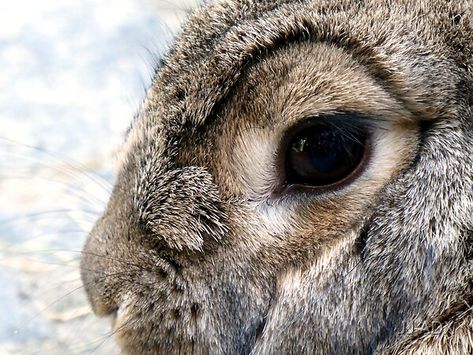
(327, 153)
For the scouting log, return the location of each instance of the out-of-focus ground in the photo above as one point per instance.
(73, 73)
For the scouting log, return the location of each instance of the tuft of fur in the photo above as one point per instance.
(196, 254)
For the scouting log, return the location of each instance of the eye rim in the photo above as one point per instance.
(338, 120)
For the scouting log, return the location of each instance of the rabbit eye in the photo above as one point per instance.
(324, 155)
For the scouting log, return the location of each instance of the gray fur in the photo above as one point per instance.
(197, 256)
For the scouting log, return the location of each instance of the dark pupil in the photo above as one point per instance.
(323, 155)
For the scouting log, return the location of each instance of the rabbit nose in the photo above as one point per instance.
(101, 271)
(95, 282)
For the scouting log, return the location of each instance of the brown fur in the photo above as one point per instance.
(196, 254)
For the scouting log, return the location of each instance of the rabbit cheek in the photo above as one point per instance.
(145, 294)
(164, 295)
(181, 208)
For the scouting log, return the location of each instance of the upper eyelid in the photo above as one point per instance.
(346, 122)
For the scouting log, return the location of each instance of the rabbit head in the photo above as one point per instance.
(298, 180)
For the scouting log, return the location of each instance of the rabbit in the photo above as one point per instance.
(299, 180)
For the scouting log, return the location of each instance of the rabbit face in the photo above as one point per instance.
(299, 180)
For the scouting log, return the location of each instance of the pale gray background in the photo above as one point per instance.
(72, 74)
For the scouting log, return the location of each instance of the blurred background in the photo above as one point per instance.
(72, 75)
